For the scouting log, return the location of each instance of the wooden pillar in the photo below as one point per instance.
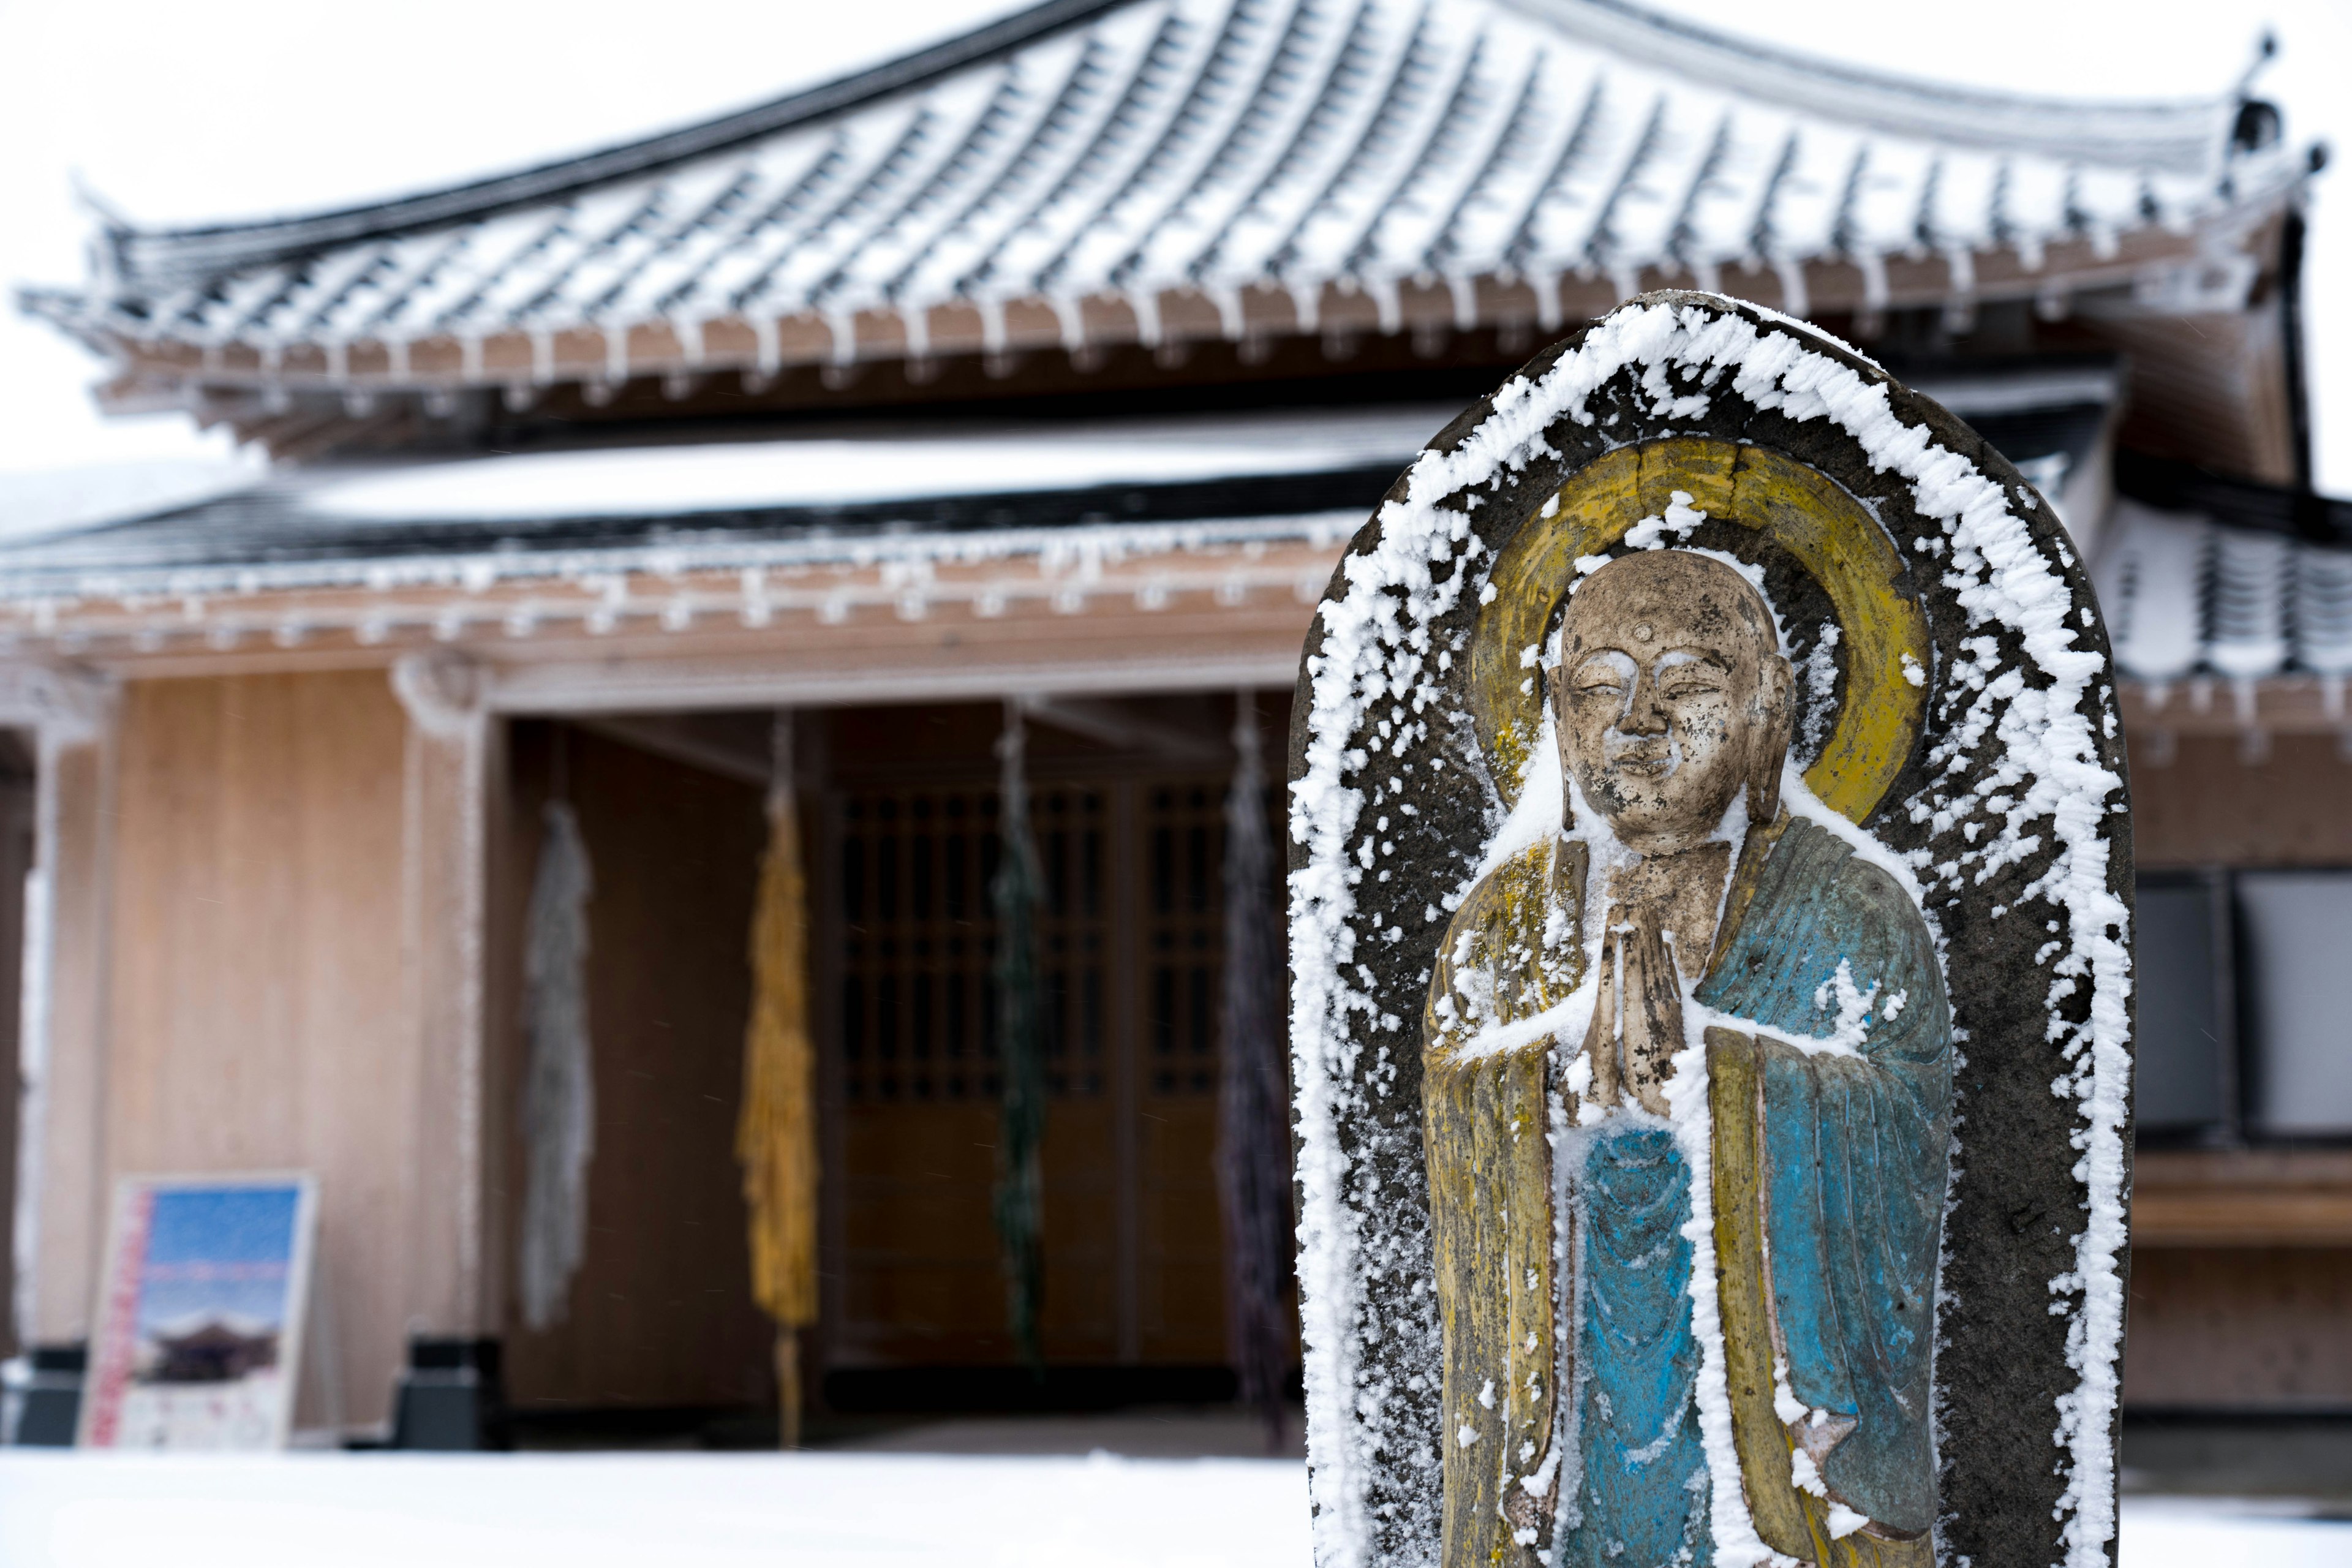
(61, 1161)
(1126, 1049)
(450, 763)
(821, 827)
(17, 812)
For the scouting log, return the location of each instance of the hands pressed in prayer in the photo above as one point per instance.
(1637, 1020)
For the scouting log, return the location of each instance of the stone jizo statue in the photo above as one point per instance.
(1690, 1002)
(1711, 982)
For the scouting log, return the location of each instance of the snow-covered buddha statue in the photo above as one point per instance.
(1687, 1099)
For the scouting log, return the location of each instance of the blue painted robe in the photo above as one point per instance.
(1639, 1470)
(1857, 1155)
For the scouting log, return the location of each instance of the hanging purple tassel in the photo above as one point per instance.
(1253, 1095)
(1020, 1204)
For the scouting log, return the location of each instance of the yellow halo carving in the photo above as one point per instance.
(1829, 532)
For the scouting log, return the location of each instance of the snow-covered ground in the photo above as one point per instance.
(809, 1511)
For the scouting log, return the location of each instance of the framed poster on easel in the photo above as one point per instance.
(203, 1294)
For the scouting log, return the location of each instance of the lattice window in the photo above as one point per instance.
(1183, 933)
(918, 1017)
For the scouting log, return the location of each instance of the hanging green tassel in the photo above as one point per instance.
(1015, 895)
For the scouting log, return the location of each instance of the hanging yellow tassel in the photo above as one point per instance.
(776, 1138)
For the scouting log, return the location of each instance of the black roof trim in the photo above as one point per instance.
(168, 254)
(2169, 485)
(2181, 133)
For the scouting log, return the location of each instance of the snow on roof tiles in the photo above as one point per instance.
(1141, 170)
(818, 472)
(2186, 596)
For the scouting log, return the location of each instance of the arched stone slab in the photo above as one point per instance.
(1957, 769)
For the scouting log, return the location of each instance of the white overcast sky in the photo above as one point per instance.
(189, 109)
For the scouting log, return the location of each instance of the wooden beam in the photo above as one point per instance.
(952, 330)
(2242, 1198)
(1119, 725)
(2207, 705)
(704, 741)
(560, 688)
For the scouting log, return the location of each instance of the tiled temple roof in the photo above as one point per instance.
(2207, 577)
(860, 496)
(1098, 173)
(850, 489)
(883, 536)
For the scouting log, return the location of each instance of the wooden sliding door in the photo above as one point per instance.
(1131, 945)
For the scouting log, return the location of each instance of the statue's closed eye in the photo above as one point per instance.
(1689, 680)
(1603, 674)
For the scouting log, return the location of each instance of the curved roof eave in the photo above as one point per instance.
(164, 255)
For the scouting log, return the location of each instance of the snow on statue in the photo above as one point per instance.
(1706, 799)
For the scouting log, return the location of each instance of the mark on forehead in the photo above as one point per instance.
(1680, 590)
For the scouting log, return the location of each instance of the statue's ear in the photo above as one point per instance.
(1776, 696)
(1549, 684)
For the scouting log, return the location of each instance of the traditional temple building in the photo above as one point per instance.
(1047, 372)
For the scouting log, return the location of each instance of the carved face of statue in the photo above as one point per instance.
(1671, 695)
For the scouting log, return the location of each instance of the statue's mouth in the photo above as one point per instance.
(1642, 760)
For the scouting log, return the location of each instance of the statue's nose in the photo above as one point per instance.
(1644, 715)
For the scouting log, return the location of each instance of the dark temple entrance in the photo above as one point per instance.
(1128, 816)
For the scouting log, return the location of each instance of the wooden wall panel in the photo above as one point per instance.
(2239, 1328)
(661, 1312)
(1182, 1255)
(257, 1013)
(2210, 387)
(924, 1282)
(920, 1113)
(2207, 806)
(920, 1280)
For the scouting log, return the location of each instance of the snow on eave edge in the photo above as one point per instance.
(471, 569)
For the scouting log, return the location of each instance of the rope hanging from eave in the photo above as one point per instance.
(559, 1098)
(1014, 894)
(1252, 1094)
(775, 1137)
